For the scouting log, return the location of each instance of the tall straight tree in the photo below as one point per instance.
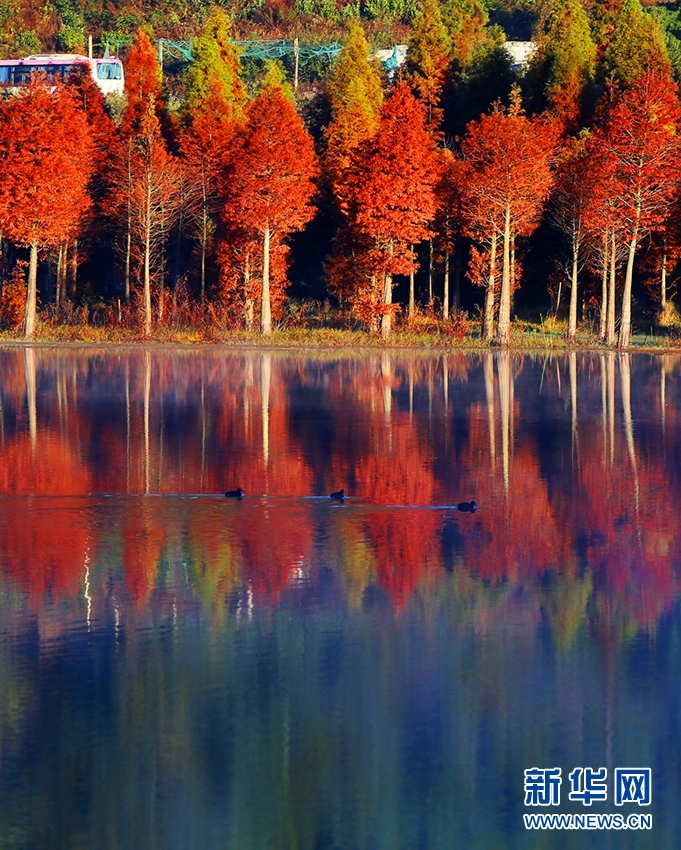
(46, 155)
(269, 180)
(563, 65)
(356, 97)
(571, 201)
(637, 47)
(429, 58)
(509, 158)
(143, 84)
(216, 98)
(392, 189)
(144, 109)
(641, 134)
(102, 129)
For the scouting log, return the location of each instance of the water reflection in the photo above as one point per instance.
(288, 670)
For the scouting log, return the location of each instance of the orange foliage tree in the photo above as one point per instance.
(509, 177)
(144, 176)
(640, 134)
(215, 105)
(45, 165)
(392, 193)
(269, 180)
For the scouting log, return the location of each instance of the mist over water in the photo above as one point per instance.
(182, 670)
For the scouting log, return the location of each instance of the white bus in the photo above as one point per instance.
(16, 73)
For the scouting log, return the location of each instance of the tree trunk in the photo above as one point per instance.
(610, 323)
(32, 292)
(488, 316)
(572, 319)
(504, 326)
(387, 300)
(60, 276)
(248, 301)
(265, 306)
(625, 321)
(456, 294)
(663, 276)
(73, 279)
(411, 287)
(445, 282)
(604, 291)
(430, 270)
(128, 235)
(204, 239)
(147, 261)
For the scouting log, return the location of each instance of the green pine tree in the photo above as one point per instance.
(429, 58)
(564, 63)
(637, 45)
(213, 80)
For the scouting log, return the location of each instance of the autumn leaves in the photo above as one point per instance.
(233, 174)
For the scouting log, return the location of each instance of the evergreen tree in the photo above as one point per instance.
(429, 58)
(637, 47)
(356, 95)
(465, 22)
(213, 80)
(564, 63)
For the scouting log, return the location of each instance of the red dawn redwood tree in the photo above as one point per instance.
(215, 105)
(392, 189)
(641, 133)
(571, 197)
(46, 156)
(269, 180)
(509, 159)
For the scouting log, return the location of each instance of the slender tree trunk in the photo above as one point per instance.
(430, 270)
(32, 292)
(248, 301)
(147, 261)
(445, 282)
(625, 321)
(73, 279)
(610, 324)
(456, 294)
(488, 316)
(663, 275)
(204, 239)
(504, 326)
(387, 299)
(128, 235)
(265, 306)
(60, 276)
(572, 320)
(604, 291)
(411, 287)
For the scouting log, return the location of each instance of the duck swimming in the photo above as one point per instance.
(235, 494)
(339, 496)
(467, 507)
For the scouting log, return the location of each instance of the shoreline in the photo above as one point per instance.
(350, 341)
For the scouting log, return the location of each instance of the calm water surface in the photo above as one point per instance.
(180, 670)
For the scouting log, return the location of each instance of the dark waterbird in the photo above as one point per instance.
(235, 494)
(467, 507)
(339, 496)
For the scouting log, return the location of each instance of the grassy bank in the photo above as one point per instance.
(548, 336)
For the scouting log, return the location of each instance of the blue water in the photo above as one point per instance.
(178, 670)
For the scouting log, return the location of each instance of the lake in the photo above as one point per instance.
(182, 670)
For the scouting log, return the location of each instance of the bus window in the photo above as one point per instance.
(22, 76)
(5, 74)
(108, 71)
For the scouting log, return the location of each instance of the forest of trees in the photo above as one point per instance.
(458, 181)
